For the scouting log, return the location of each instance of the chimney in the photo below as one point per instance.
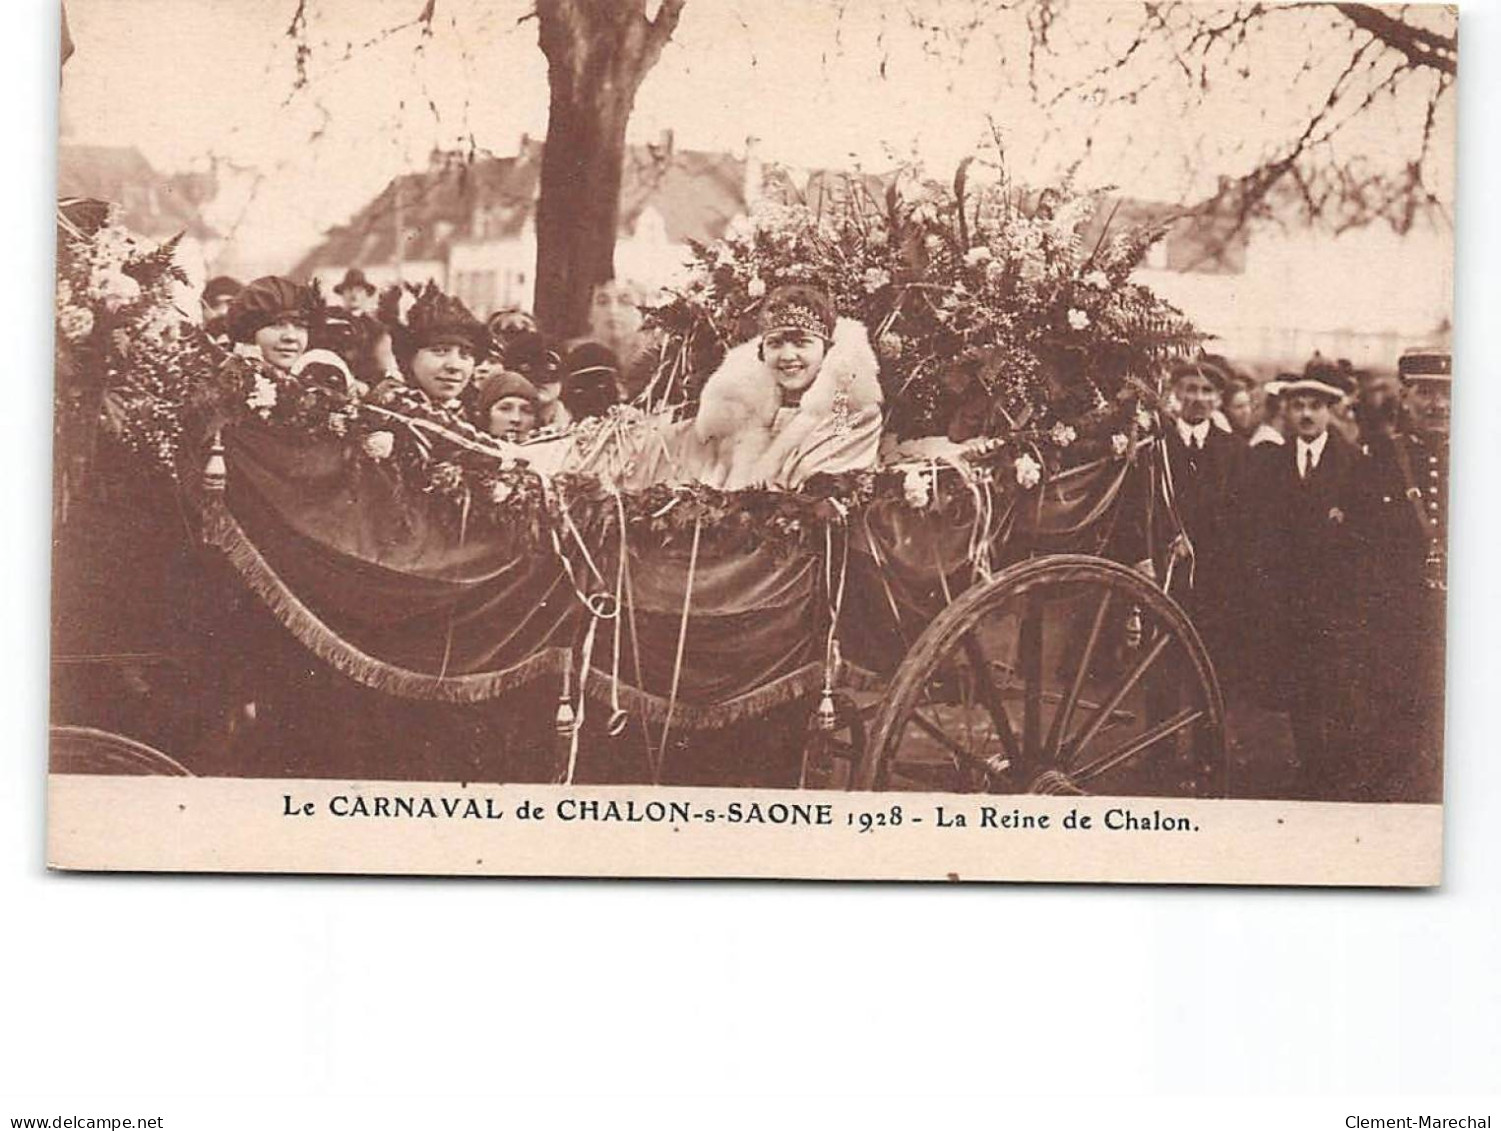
(755, 173)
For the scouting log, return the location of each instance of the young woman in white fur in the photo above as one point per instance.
(801, 398)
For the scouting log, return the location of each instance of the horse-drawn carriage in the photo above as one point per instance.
(962, 632)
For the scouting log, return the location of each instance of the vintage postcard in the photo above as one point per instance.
(919, 440)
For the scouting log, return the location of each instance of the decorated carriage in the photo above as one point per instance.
(978, 612)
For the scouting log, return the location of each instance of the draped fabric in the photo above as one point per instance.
(391, 588)
(464, 613)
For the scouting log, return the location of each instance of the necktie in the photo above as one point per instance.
(1305, 454)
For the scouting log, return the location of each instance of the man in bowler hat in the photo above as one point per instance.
(357, 293)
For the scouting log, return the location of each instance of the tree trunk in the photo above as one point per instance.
(598, 52)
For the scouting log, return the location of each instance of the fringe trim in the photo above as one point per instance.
(220, 529)
(804, 681)
(708, 716)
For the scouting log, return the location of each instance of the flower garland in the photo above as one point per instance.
(973, 303)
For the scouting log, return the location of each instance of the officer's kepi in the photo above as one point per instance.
(1432, 365)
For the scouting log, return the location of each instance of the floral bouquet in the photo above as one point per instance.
(994, 313)
(124, 362)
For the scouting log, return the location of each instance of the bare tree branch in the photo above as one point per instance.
(1422, 47)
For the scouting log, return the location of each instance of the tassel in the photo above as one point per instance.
(215, 471)
(828, 717)
(565, 719)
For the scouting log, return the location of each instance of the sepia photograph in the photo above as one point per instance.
(934, 423)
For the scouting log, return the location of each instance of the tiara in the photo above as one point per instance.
(795, 316)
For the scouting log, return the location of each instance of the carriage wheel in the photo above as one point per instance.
(1062, 674)
(88, 750)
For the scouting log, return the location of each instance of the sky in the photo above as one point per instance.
(196, 84)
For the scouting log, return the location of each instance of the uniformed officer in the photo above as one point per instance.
(1403, 589)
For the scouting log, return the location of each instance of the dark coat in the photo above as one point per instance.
(1317, 530)
(1316, 535)
(1403, 531)
(1207, 485)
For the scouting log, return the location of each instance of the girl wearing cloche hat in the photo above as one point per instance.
(436, 344)
(269, 321)
(801, 398)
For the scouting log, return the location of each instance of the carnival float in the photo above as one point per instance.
(263, 573)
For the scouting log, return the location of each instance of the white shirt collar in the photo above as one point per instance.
(1315, 446)
(1193, 435)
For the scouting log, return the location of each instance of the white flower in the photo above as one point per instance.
(876, 278)
(1077, 318)
(1064, 434)
(338, 423)
(1097, 279)
(977, 255)
(76, 322)
(263, 395)
(1118, 443)
(378, 445)
(916, 488)
(890, 346)
(756, 287)
(995, 271)
(500, 491)
(932, 243)
(64, 293)
(160, 323)
(114, 287)
(1143, 420)
(1028, 471)
(877, 239)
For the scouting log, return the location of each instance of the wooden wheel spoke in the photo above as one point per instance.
(939, 735)
(1029, 646)
(990, 697)
(1050, 707)
(1133, 677)
(967, 758)
(1165, 729)
(1065, 709)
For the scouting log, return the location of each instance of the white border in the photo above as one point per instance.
(147, 989)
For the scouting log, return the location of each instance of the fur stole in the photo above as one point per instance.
(739, 404)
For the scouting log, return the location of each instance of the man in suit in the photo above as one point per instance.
(1317, 493)
(1206, 466)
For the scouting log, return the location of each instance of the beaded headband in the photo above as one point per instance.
(794, 316)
